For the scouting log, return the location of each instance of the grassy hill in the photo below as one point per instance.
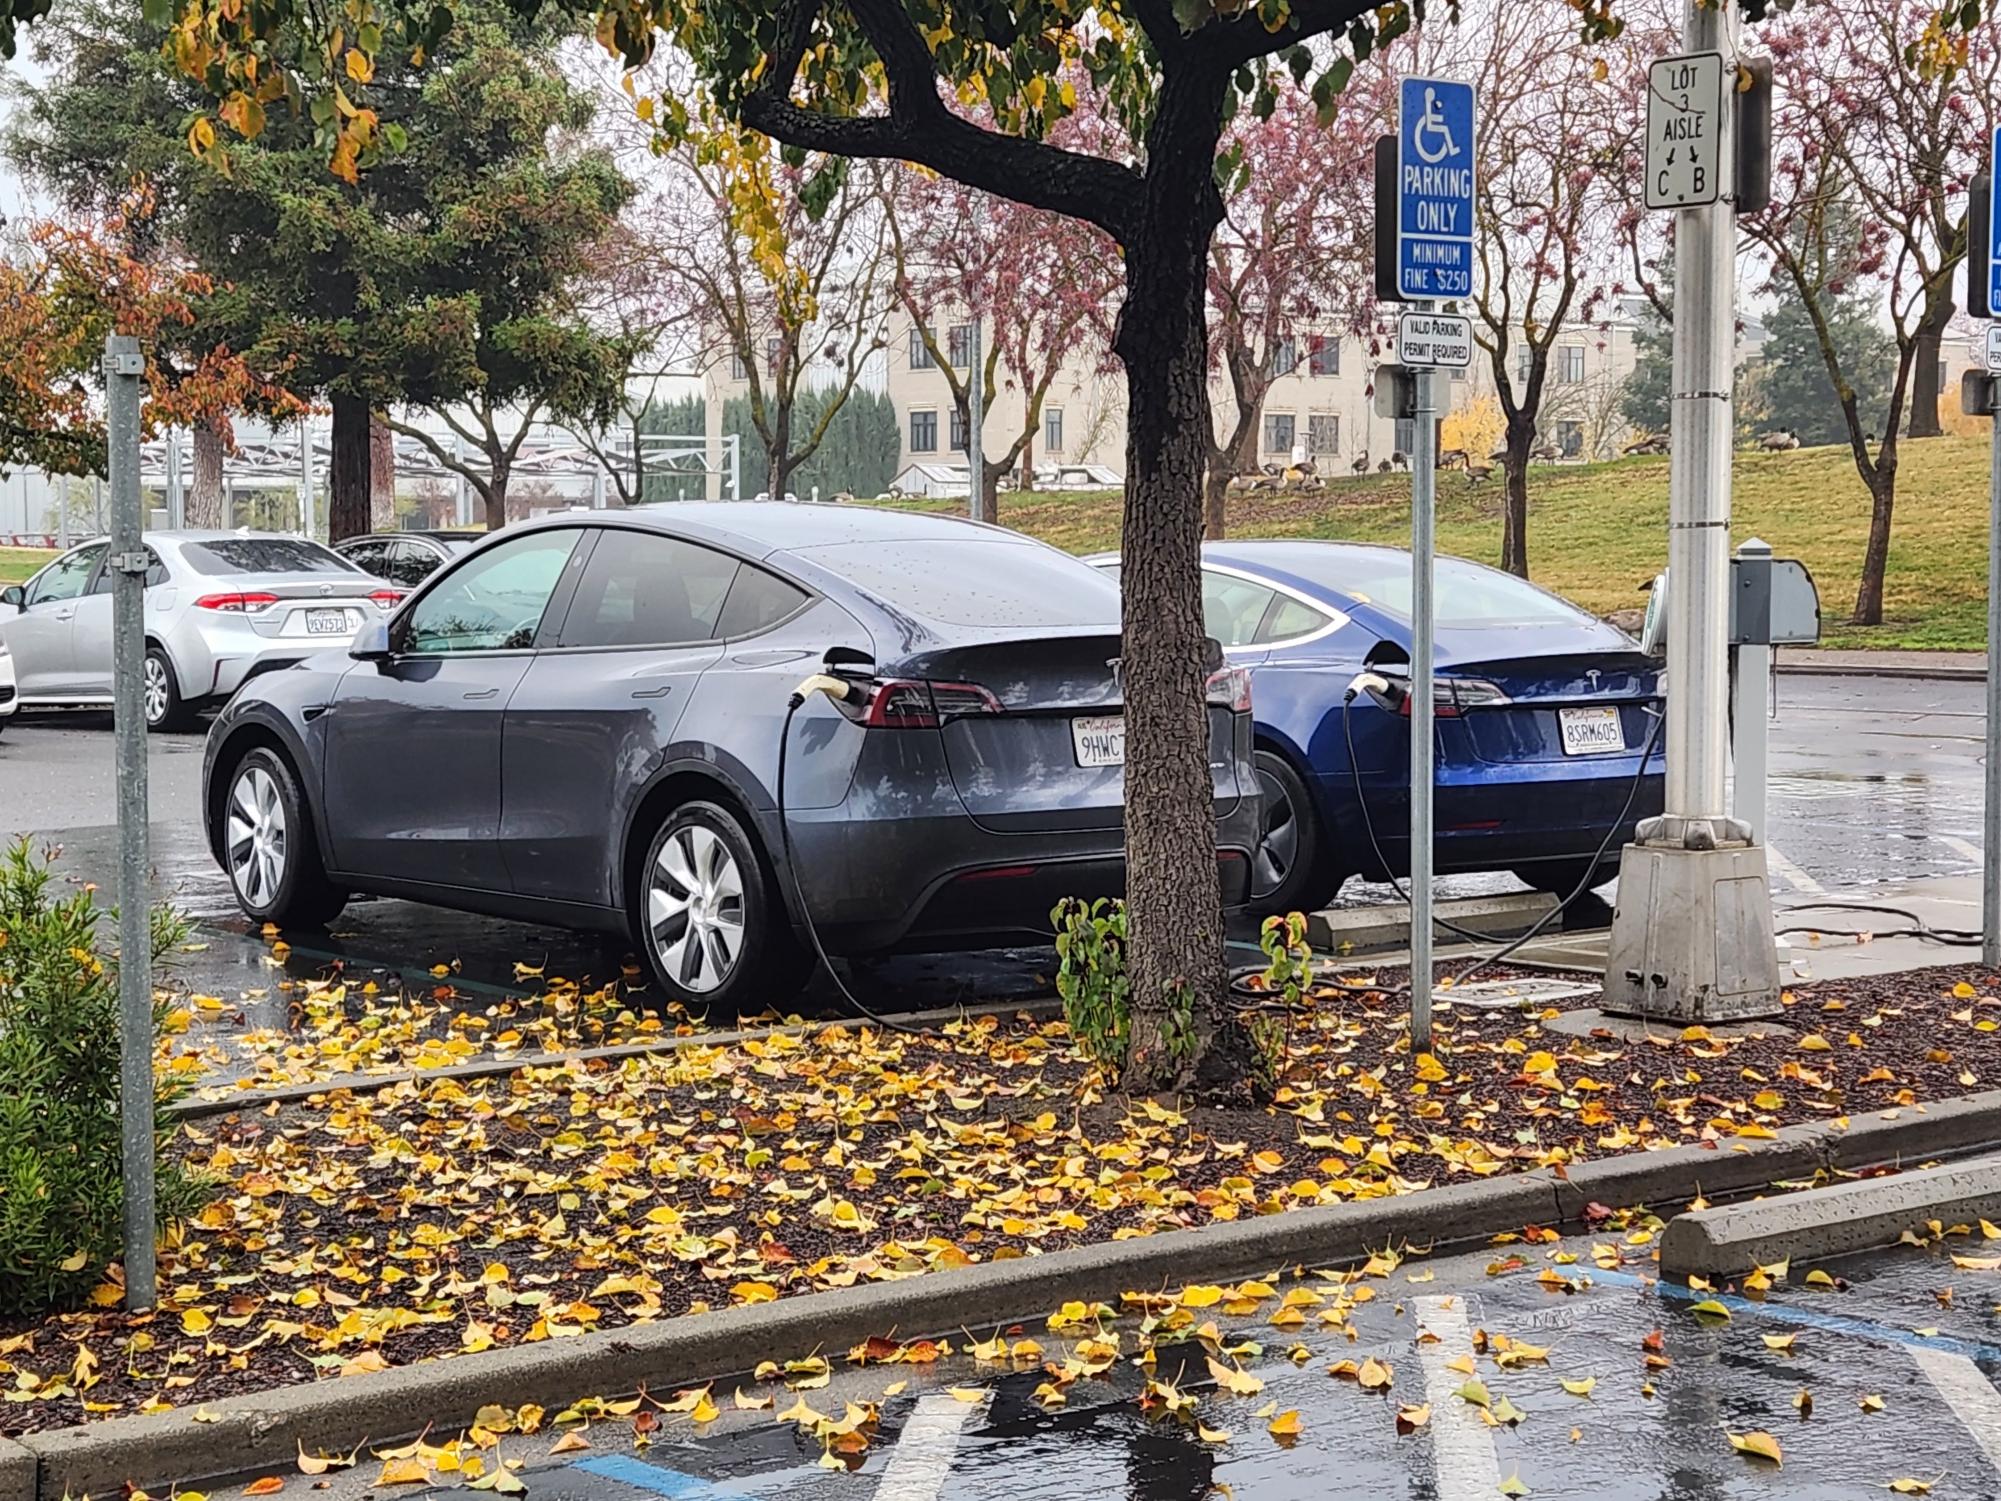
(16, 563)
(1597, 532)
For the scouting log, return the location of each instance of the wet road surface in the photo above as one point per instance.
(1872, 780)
(1901, 1388)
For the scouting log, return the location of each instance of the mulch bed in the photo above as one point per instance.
(436, 1219)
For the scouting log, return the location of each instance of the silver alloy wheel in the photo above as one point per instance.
(694, 908)
(158, 690)
(258, 847)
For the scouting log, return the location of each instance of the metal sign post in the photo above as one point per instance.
(1434, 214)
(1692, 934)
(1988, 236)
(123, 366)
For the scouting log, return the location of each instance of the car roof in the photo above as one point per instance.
(764, 527)
(438, 534)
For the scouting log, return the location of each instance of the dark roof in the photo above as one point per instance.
(763, 527)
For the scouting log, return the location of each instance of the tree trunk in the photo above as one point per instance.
(381, 474)
(1185, 1034)
(1925, 391)
(1216, 499)
(203, 506)
(347, 479)
(1026, 479)
(1876, 556)
(496, 491)
(990, 478)
(1515, 507)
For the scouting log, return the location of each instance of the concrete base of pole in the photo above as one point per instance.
(1692, 935)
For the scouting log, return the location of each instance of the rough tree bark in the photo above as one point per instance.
(1925, 390)
(348, 470)
(1185, 1035)
(203, 505)
(381, 473)
(1515, 506)
(496, 492)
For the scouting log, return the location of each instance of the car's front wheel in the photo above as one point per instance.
(269, 849)
(707, 915)
(165, 709)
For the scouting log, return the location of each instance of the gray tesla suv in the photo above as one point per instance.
(580, 722)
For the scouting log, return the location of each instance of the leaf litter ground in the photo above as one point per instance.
(437, 1218)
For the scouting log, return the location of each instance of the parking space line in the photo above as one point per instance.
(1958, 846)
(1462, 1448)
(1969, 1394)
(926, 1447)
(1794, 877)
(656, 1479)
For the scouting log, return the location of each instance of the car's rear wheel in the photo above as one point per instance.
(1561, 877)
(708, 918)
(1292, 869)
(165, 709)
(269, 849)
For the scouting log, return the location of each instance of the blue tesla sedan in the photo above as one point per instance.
(1543, 715)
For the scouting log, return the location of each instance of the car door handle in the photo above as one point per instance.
(66, 614)
(661, 692)
(483, 693)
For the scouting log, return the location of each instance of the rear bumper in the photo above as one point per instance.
(213, 658)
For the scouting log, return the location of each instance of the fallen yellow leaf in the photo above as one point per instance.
(1758, 1444)
(1286, 1424)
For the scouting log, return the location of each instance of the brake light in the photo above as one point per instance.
(1231, 687)
(904, 704)
(1450, 697)
(237, 604)
(387, 599)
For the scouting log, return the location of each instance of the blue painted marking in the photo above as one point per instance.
(658, 1479)
(1994, 231)
(1434, 188)
(1833, 1323)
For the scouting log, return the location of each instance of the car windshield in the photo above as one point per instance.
(264, 555)
(1468, 595)
(978, 581)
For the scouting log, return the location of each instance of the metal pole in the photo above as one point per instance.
(1423, 496)
(976, 420)
(307, 524)
(1704, 432)
(177, 506)
(1750, 711)
(736, 466)
(1990, 847)
(123, 365)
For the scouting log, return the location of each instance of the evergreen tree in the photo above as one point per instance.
(1798, 396)
(1645, 401)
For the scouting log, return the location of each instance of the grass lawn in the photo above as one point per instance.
(1597, 532)
(16, 563)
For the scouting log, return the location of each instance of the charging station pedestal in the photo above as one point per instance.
(1692, 932)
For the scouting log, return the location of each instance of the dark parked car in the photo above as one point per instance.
(1543, 712)
(579, 722)
(405, 558)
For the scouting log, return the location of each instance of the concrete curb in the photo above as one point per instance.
(1862, 670)
(18, 1471)
(1040, 1007)
(264, 1430)
(1852, 1216)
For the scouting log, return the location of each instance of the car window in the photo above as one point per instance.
(156, 575)
(1468, 595)
(757, 599)
(67, 576)
(643, 589)
(980, 579)
(409, 563)
(495, 601)
(368, 556)
(1232, 607)
(1289, 618)
(227, 555)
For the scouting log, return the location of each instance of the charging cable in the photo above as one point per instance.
(840, 690)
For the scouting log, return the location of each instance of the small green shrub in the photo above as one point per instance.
(1091, 977)
(1288, 972)
(61, 1211)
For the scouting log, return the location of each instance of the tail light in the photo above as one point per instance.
(1231, 687)
(237, 604)
(904, 704)
(387, 599)
(1450, 697)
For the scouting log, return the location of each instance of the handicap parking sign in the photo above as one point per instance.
(1434, 189)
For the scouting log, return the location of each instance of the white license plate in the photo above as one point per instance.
(326, 623)
(1100, 740)
(1591, 732)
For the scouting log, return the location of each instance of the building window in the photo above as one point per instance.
(1406, 436)
(1325, 358)
(1570, 438)
(1570, 365)
(1279, 432)
(923, 432)
(1323, 434)
(1284, 357)
(774, 348)
(1052, 429)
(1524, 357)
(920, 352)
(959, 345)
(958, 431)
(738, 370)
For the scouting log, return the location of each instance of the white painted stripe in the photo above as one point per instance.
(925, 1449)
(1794, 877)
(1462, 1447)
(1960, 846)
(1969, 1394)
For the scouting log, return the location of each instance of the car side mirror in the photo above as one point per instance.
(14, 596)
(371, 642)
(1653, 630)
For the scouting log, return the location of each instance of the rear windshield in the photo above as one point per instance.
(977, 581)
(1467, 594)
(264, 555)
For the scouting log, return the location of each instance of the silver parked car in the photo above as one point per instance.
(221, 608)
